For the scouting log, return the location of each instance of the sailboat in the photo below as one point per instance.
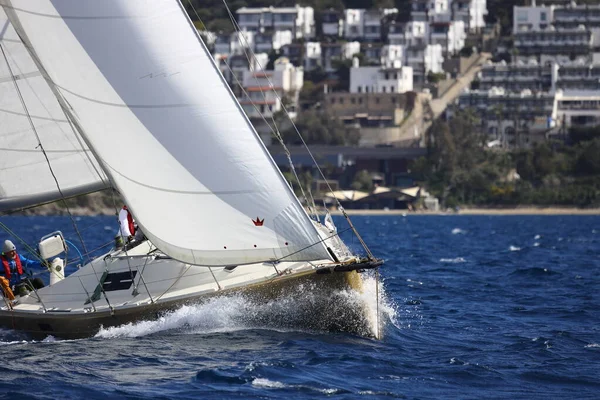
(124, 94)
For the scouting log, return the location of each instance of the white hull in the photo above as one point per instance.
(159, 283)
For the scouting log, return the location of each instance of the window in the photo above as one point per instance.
(360, 100)
(392, 89)
(383, 89)
(543, 16)
(366, 89)
(353, 100)
(341, 100)
(522, 16)
(386, 76)
(332, 101)
(359, 89)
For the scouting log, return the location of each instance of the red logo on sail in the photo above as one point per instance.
(258, 221)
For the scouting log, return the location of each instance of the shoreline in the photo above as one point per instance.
(522, 210)
(482, 211)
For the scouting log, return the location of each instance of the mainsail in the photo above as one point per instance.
(26, 99)
(146, 96)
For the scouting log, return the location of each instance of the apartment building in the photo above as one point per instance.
(555, 45)
(298, 20)
(578, 108)
(533, 18)
(337, 51)
(512, 119)
(368, 25)
(332, 23)
(519, 76)
(265, 89)
(393, 78)
(471, 12)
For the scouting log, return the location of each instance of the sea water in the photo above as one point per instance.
(471, 307)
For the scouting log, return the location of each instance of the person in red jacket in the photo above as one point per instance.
(127, 225)
(14, 268)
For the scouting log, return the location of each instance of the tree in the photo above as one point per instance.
(318, 127)
(588, 162)
(362, 181)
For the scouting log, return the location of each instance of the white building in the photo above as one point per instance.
(312, 55)
(450, 35)
(393, 79)
(265, 42)
(234, 43)
(433, 58)
(471, 12)
(365, 24)
(333, 23)
(234, 66)
(299, 20)
(392, 53)
(532, 18)
(578, 108)
(337, 51)
(414, 33)
(266, 89)
(354, 26)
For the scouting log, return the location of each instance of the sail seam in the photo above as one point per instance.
(39, 14)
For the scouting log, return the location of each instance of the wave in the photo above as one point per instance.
(458, 231)
(514, 248)
(303, 308)
(456, 260)
(533, 271)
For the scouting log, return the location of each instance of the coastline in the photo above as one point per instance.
(525, 210)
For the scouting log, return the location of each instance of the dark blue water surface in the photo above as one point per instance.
(473, 307)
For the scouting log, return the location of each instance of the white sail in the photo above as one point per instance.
(149, 101)
(25, 178)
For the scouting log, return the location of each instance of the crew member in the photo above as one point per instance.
(13, 269)
(127, 225)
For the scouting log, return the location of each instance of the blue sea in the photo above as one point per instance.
(471, 307)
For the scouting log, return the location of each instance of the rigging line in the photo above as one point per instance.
(33, 253)
(142, 277)
(377, 302)
(306, 146)
(38, 139)
(175, 282)
(276, 132)
(46, 156)
(112, 195)
(43, 104)
(311, 245)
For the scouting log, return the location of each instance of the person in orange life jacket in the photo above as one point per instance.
(14, 270)
(127, 225)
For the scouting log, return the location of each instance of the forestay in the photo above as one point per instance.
(153, 107)
(25, 178)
